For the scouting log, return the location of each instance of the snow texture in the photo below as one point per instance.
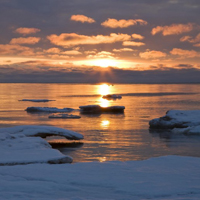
(180, 121)
(65, 116)
(48, 109)
(99, 109)
(36, 100)
(166, 178)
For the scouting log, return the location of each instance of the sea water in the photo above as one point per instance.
(106, 136)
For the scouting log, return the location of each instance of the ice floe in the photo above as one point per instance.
(18, 149)
(42, 131)
(18, 146)
(65, 116)
(36, 100)
(180, 121)
(112, 96)
(48, 109)
(99, 109)
(166, 178)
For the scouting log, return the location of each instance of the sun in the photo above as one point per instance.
(104, 62)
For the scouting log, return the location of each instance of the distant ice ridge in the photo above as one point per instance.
(18, 146)
(180, 121)
(36, 100)
(48, 109)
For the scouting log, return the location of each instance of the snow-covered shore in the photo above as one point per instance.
(169, 178)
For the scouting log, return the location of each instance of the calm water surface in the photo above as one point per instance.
(107, 136)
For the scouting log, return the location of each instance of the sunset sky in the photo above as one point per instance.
(129, 41)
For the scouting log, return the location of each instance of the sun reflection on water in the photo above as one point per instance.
(104, 89)
(105, 123)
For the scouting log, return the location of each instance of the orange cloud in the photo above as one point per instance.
(137, 36)
(185, 38)
(102, 54)
(53, 50)
(26, 31)
(123, 50)
(122, 23)
(73, 39)
(28, 40)
(189, 39)
(9, 49)
(72, 52)
(82, 18)
(174, 29)
(152, 54)
(185, 53)
(132, 43)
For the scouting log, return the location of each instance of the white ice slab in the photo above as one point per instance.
(48, 109)
(19, 149)
(177, 119)
(42, 131)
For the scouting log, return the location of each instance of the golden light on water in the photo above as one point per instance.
(102, 159)
(104, 89)
(104, 103)
(105, 123)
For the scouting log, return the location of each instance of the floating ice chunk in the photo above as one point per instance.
(17, 149)
(42, 131)
(112, 96)
(36, 100)
(65, 116)
(99, 109)
(48, 109)
(177, 119)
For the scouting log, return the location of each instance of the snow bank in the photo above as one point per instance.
(48, 109)
(42, 131)
(112, 96)
(65, 116)
(36, 100)
(166, 178)
(99, 109)
(181, 121)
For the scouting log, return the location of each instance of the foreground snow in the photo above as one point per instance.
(180, 121)
(18, 147)
(169, 177)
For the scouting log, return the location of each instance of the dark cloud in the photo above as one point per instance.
(182, 73)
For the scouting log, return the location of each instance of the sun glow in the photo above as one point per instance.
(104, 62)
(103, 89)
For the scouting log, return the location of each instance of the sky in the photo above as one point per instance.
(116, 41)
